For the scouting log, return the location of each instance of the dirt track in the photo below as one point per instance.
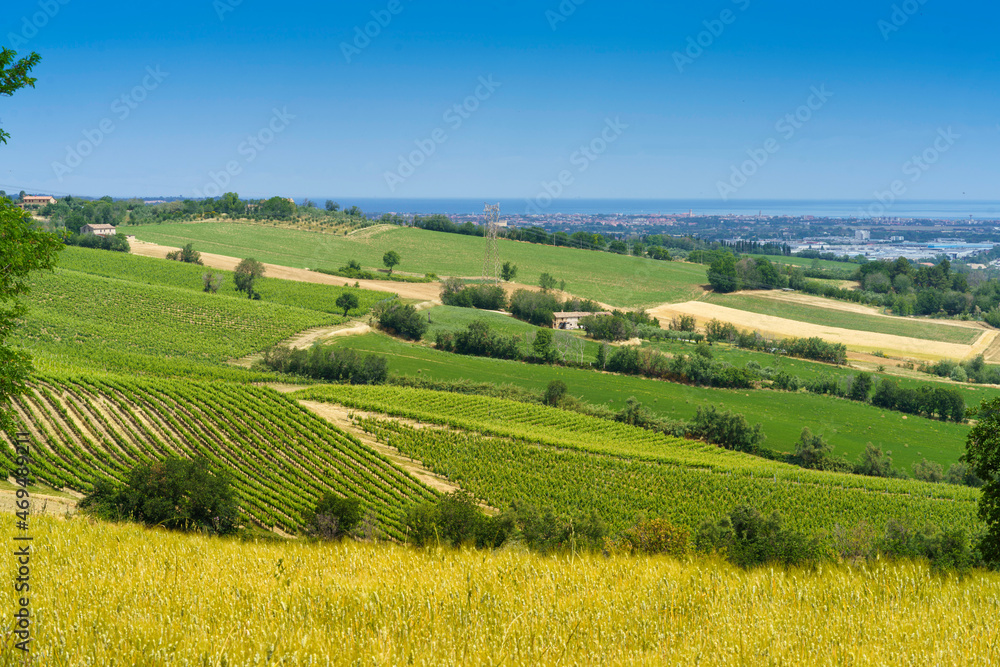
(862, 341)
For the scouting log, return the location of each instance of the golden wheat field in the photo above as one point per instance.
(124, 595)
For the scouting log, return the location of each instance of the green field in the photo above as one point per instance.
(627, 282)
(571, 461)
(897, 326)
(149, 271)
(849, 426)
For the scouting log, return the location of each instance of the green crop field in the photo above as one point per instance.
(281, 457)
(150, 271)
(849, 426)
(898, 326)
(551, 456)
(613, 279)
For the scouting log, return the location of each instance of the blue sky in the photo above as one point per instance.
(264, 99)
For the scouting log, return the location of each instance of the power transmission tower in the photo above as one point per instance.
(491, 263)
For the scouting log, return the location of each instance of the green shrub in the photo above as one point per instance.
(174, 493)
(333, 517)
(727, 429)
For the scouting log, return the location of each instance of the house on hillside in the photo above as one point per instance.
(36, 201)
(571, 321)
(99, 230)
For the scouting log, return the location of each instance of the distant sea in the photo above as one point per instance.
(940, 210)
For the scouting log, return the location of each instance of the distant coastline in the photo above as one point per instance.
(934, 210)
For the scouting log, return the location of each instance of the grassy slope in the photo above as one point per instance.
(149, 271)
(614, 279)
(913, 328)
(848, 425)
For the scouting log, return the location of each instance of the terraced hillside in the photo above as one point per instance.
(281, 457)
(515, 451)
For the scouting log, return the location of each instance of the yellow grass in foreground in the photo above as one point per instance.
(121, 595)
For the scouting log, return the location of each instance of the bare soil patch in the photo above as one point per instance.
(859, 341)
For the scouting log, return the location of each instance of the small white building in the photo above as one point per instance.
(571, 321)
(99, 230)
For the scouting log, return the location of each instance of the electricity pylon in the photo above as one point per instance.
(491, 263)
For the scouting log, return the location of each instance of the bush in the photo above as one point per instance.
(875, 463)
(656, 536)
(747, 539)
(534, 307)
(333, 517)
(484, 297)
(174, 493)
(456, 520)
(186, 254)
(481, 340)
(400, 320)
(727, 429)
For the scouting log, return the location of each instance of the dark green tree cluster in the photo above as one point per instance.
(114, 242)
(400, 320)
(174, 493)
(455, 292)
(330, 364)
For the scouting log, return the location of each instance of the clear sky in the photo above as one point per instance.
(286, 98)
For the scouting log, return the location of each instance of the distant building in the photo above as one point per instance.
(33, 201)
(862, 235)
(99, 230)
(571, 321)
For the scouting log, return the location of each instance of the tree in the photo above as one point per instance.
(555, 392)
(982, 454)
(212, 282)
(332, 206)
(546, 282)
(508, 272)
(542, 346)
(875, 463)
(246, 274)
(391, 259)
(186, 254)
(14, 76)
(347, 301)
(23, 249)
(722, 274)
(812, 451)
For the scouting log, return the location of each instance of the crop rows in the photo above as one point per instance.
(83, 311)
(570, 430)
(501, 471)
(280, 457)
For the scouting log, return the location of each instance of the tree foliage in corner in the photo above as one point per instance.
(982, 453)
(246, 274)
(23, 249)
(14, 76)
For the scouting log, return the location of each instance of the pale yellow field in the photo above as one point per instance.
(123, 595)
(860, 341)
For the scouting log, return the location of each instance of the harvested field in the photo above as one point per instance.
(860, 341)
